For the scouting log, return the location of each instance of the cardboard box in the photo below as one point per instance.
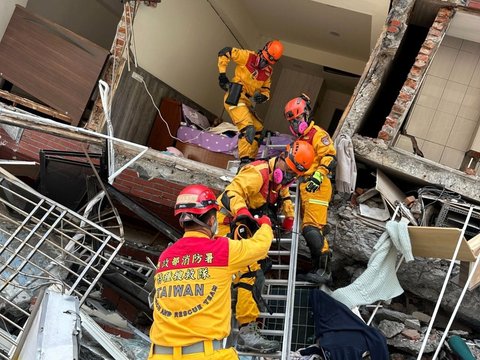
(197, 153)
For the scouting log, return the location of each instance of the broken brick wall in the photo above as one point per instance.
(407, 93)
(155, 191)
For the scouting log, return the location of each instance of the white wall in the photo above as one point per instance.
(178, 42)
(6, 11)
(331, 100)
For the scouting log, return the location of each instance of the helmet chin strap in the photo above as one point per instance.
(189, 217)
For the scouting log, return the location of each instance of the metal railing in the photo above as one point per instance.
(43, 243)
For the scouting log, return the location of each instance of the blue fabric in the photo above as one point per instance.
(342, 334)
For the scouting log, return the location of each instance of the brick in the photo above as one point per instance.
(439, 25)
(434, 32)
(114, 330)
(411, 83)
(399, 109)
(383, 135)
(445, 12)
(404, 96)
(391, 122)
(393, 29)
(425, 51)
(409, 199)
(415, 72)
(422, 57)
(395, 22)
(429, 44)
(474, 5)
(420, 64)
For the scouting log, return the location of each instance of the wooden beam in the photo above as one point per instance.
(16, 99)
(49, 129)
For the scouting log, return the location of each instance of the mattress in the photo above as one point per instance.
(225, 144)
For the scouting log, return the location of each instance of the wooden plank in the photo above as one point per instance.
(467, 267)
(388, 189)
(53, 64)
(437, 242)
(16, 99)
(29, 169)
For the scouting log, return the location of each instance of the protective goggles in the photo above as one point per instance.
(197, 205)
(270, 57)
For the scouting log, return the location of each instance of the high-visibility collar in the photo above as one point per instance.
(194, 233)
(310, 127)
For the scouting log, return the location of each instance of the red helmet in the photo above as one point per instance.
(300, 156)
(195, 199)
(272, 51)
(298, 107)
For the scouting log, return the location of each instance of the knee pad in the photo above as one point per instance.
(248, 132)
(315, 240)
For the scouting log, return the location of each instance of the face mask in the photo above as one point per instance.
(278, 176)
(288, 178)
(262, 63)
(298, 127)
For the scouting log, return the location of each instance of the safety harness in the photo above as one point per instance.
(243, 231)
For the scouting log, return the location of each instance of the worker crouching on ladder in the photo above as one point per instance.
(259, 187)
(316, 191)
(251, 82)
(191, 307)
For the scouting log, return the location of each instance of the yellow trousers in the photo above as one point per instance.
(242, 117)
(315, 206)
(246, 309)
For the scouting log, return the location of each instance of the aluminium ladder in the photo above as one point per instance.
(283, 270)
(284, 335)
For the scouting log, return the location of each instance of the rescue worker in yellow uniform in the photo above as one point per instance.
(260, 187)
(192, 312)
(251, 81)
(316, 192)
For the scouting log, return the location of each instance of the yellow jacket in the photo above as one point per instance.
(323, 146)
(252, 187)
(246, 72)
(192, 286)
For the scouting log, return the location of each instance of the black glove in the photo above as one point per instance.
(260, 98)
(223, 81)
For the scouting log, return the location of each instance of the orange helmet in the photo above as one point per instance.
(195, 199)
(272, 51)
(299, 156)
(297, 107)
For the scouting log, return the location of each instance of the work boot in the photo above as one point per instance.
(319, 276)
(250, 340)
(323, 275)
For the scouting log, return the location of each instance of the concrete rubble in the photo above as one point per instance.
(120, 306)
